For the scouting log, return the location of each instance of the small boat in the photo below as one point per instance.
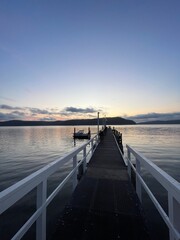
(81, 135)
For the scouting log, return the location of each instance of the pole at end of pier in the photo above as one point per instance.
(98, 123)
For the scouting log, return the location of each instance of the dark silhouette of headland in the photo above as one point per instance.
(72, 122)
(87, 122)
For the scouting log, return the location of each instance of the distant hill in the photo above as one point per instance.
(109, 121)
(162, 122)
(74, 122)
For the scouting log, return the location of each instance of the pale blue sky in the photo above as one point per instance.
(120, 57)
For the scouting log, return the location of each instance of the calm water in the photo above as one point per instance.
(159, 143)
(24, 150)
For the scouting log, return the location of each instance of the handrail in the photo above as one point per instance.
(172, 186)
(38, 180)
(123, 158)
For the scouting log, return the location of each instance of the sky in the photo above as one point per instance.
(70, 59)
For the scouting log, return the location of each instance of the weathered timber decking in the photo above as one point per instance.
(104, 204)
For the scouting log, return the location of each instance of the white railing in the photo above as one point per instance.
(123, 158)
(172, 220)
(38, 180)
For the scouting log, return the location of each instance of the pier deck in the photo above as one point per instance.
(104, 204)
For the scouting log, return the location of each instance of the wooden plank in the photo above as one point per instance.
(104, 205)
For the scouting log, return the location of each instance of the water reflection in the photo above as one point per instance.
(26, 149)
(159, 143)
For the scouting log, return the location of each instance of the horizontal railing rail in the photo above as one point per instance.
(123, 158)
(38, 180)
(172, 187)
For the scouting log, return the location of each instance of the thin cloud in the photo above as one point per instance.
(25, 113)
(7, 99)
(39, 111)
(74, 112)
(7, 107)
(18, 113)
(12, 116)
(8, 112)
(47, 119)
(80, 110)
(155, 117)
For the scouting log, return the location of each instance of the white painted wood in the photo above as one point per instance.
(84, 160)
(129, 162)
(138, 182)
(75, 173)
(92, 147)
(170, 184)
(162, 177)
(124, 160)
(41, 221)
(39, 180)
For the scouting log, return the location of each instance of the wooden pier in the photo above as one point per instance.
(104, 204)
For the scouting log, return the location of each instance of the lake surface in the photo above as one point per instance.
(24, 150)
(159, 143)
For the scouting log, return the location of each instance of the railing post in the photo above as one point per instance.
(92, 147)
(84, 161)
(75, 173)
(174, 213)
(138, 182)
(129, 160)
(41, 221)
(96, 139)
